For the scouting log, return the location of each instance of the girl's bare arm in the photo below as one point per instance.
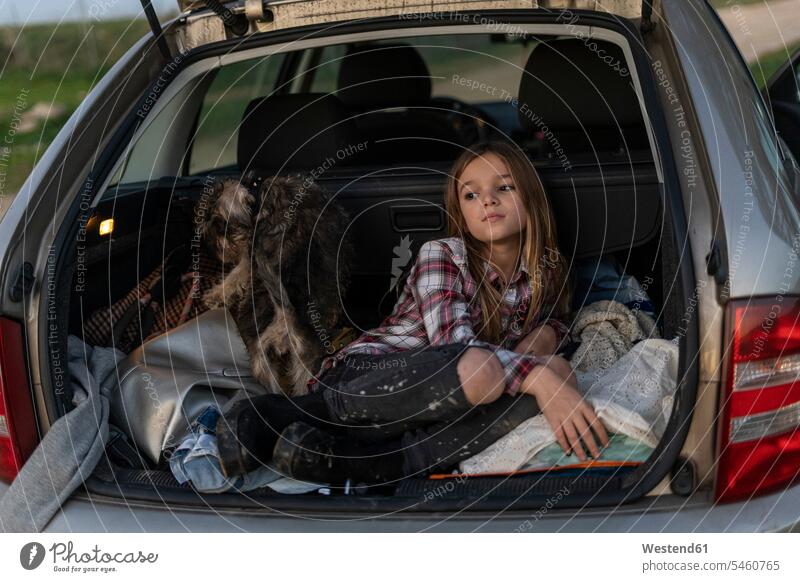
(572, 419)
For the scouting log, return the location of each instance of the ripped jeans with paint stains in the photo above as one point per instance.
(415, 397)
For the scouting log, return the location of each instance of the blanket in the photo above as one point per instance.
(606, 331)
(633, 397)
(71, 448)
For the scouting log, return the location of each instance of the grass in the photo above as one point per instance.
(55, 67)
(764, 67)
(49, 48)
(767, 65)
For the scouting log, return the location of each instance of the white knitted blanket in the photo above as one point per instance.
(634, 397)
(606, 331)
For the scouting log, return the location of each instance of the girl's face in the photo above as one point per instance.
(493, 209)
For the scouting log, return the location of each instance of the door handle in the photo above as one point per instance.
(417, 218)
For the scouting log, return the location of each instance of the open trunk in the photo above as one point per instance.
(642, 246)
(614, 198)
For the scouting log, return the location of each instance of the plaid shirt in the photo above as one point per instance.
(439, 305)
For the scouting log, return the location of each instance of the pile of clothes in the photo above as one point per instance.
(72, 447)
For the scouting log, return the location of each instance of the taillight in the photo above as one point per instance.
(18, 434)
(758, 444)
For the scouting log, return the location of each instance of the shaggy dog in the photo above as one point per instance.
(287, 264)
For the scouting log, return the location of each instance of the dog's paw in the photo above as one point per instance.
(214, 298)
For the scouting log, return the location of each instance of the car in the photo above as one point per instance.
(655, 146)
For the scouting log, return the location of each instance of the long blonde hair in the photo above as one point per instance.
(544, 261)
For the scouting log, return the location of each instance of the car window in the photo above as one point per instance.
(792, 92)
(323, 74)
(454, 62)
(797, 81)
(473, 68)
(202, 123)
(234, 86)
(160, 149)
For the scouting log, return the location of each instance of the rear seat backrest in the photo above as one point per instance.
(584, 97)
(283, 133)
(584, 199)
(391, 217)
(388, 88)
(377, 76)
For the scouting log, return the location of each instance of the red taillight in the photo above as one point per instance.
(18, 434)
(758, 444)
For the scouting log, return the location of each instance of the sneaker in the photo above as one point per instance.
(244, 438)
(248, 431)
(306, 453)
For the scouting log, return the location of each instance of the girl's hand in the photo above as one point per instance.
(572, 419)
(541, 341)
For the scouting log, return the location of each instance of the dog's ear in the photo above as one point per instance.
(273, 193)
(223, 215)
(235, 204)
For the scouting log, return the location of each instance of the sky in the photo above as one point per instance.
(18, 12)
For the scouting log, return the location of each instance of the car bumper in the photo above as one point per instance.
(667, 513)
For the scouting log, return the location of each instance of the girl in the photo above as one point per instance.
(466, 355)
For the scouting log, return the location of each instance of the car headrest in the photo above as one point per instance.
(386, 75)
(292, 131)
(565, 84)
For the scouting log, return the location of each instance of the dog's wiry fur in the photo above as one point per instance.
(287, 267)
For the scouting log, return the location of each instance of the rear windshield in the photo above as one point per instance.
(473, 92)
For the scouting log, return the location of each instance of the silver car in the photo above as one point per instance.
(654, 144)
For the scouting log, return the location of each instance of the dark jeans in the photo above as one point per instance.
(415, 398)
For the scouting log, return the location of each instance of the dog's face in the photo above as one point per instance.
(227, 226)
(292, 206)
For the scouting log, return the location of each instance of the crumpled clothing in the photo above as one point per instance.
(633, 398)
(598, 279)
(606, 331)
(196, 460)
(72, 447)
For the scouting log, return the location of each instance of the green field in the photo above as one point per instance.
(764, 68)
(54, 67)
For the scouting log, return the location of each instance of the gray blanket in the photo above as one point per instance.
(72, 447)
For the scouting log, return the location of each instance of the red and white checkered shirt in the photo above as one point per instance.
(439, 305)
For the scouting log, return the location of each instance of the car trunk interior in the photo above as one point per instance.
(606, 193)
(638, 240)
